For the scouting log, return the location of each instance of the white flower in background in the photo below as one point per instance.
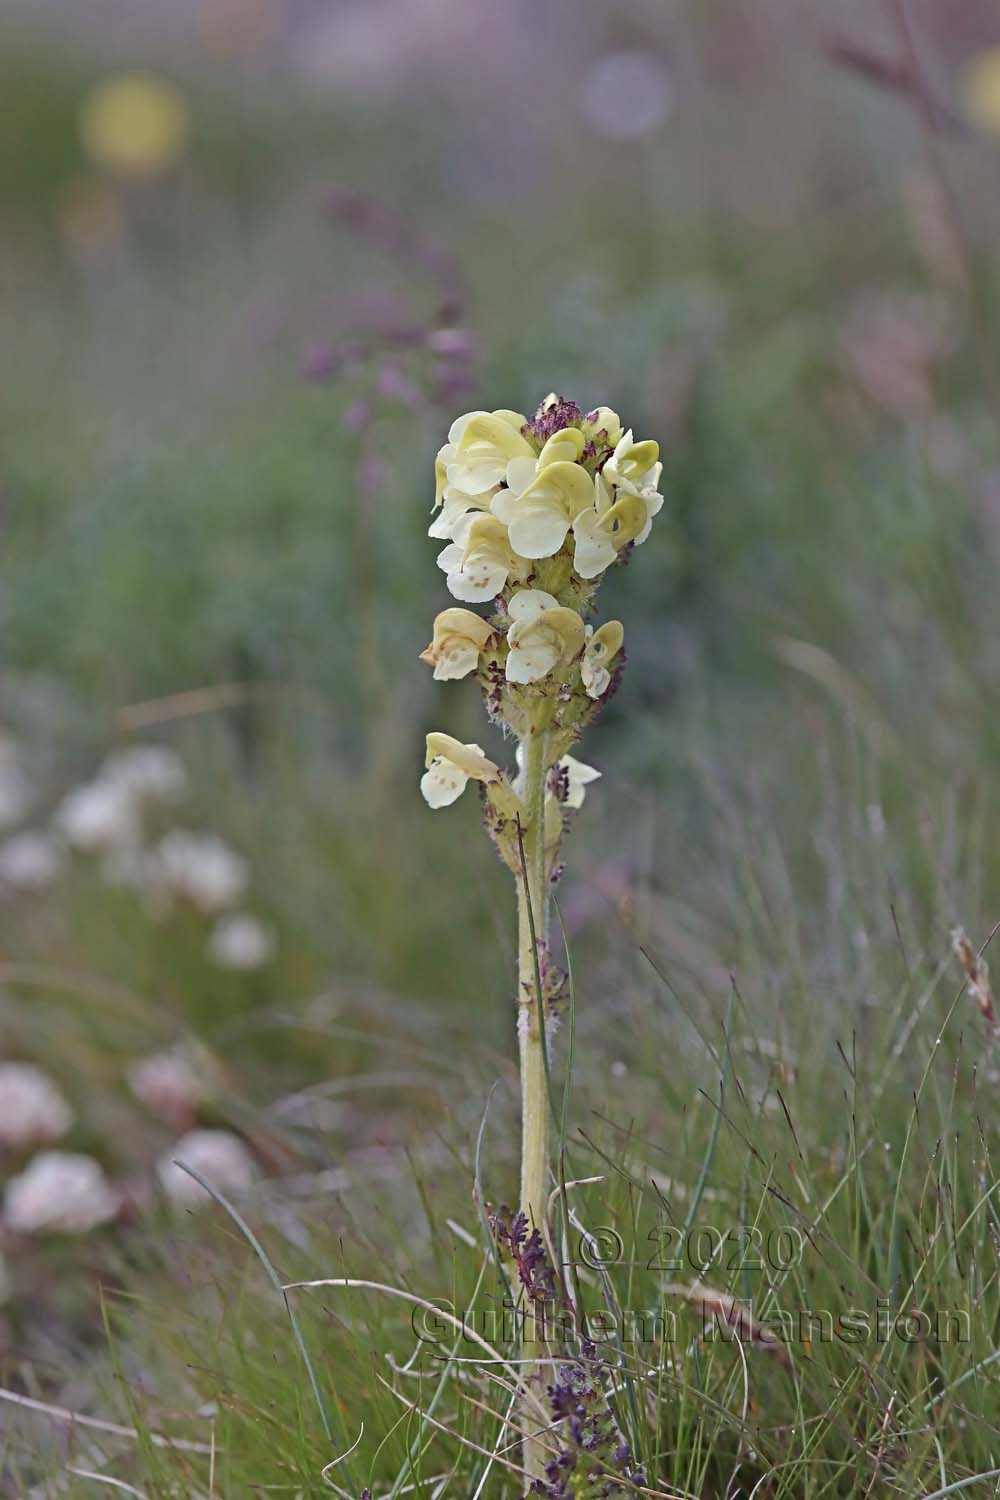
(31, 1106)
(542, 635)
(98, 816)
(450, 767)
(201, 868)
(602, 647)
(146, 771)
(217, 1155)
(240, 942)
(627, 95)
(578, 778)
(459, 639)
(30, 861)
(168, 1085)
(480, 446)
(480, 560)
(60, 1191)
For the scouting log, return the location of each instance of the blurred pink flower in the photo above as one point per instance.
(240, 942)
(169, 1086)
(217, 1155)
(59, 1191)
(30, 861)
(31, 1106)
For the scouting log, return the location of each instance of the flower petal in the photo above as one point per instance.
(538, 528)
(459, 425)
(489, 434)
(503, 505)
(477, 580)
(442, 783)
(527, 604)
(531, 660)
(594, 550)
(579, 776)
(450, 557)
(520, 473)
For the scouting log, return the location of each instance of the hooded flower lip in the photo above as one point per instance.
(540, 515)
(450, 767)
(600, 533)
(602, 647)
(634, 469)
(481, 446)
(478, 568)
(459, 639)
(455, 506)
(543, 634)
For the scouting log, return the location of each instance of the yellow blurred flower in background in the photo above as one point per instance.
(981, 91)
(134, 124)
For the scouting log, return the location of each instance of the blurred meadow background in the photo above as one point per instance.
(255, 255)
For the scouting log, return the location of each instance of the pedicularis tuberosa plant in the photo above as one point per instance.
(533, 512)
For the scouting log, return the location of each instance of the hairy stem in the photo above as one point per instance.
(532, 931)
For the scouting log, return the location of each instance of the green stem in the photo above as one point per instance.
(532, 933)
(534, 1093)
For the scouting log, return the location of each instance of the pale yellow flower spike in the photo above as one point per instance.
(533, 511)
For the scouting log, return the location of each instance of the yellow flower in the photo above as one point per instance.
(483, 443)
(981, 91)
(450, 767)
(540, 514)
(602, 647)
(452, 503)
(601, 531)
(543, 635)
(480, 560)
(634, 469)
(459, 637)
(134, 124)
